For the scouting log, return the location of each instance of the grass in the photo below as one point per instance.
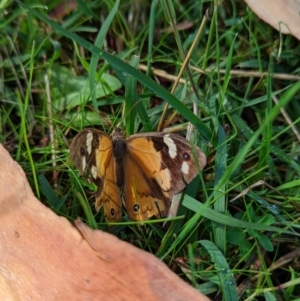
(236, 234)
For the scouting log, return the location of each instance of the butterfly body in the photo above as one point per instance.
(149, 168)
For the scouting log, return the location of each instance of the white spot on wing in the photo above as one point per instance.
(185, 168)
(172, 146)
(83, 163)
(94, 172)
(89, 139)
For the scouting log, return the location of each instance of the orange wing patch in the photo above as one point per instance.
(146, 184)
(108, 194)
(142, 194)
(150, 161)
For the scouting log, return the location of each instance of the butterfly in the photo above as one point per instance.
(145, 170)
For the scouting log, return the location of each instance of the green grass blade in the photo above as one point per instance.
(265, 148)
(83, 7)
(203, 210)
(87, 210)
(151, 35)
(219, 194)
(95, 58)
(131, 99)
(52, 199)
(23, 108)
(227, 281)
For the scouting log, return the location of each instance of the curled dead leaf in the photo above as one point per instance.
(283, 15)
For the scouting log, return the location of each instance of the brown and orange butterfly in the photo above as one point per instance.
(148, 168)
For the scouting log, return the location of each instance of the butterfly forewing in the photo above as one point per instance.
(164, 165)
(91, 150)
(82, 151)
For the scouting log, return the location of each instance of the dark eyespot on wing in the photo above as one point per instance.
(186, 156)
(112, 211)
(136, 207)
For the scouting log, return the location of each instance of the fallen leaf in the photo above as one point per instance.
(62, 9)
(283, 15)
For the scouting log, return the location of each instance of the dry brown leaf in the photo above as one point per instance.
(283, 15)
(44, 257)
(62, 9)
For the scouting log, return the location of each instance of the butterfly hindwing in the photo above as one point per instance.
(92, 153)
(143, 195)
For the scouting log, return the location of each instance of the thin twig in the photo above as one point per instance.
(288, 119)
(51, 130)
(239, 73)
